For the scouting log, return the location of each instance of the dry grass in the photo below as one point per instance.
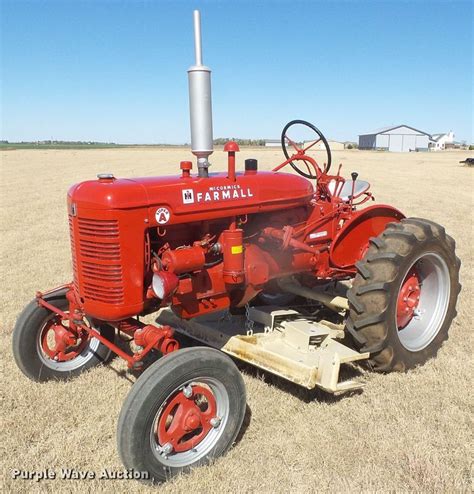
(404, 432)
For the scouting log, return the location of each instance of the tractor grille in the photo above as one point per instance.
(96, 253)
(73, 251)
(99, 228)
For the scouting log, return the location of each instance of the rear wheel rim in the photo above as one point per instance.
(422, 301)
(170, 443)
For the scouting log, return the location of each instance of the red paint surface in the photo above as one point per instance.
(408, 298)
(123, 231)
(183, 423)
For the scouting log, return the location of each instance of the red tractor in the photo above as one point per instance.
(285, 271)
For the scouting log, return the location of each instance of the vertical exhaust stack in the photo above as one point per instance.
(200, 105)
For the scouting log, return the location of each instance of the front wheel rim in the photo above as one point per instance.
(422, 301)
(76, 358)
(179, 452)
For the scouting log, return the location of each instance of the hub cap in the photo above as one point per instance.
(186, 419)
(408, 298)
(190, 422)
(422, 301)
(60, 349)
(60, 344)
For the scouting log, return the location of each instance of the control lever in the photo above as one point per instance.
(354, 176)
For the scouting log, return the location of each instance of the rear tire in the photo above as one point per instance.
(162, 403)
(27, 348)
(403, 298)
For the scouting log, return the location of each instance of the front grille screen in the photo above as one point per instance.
(96, 256)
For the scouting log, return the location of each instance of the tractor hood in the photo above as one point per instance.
(185, 197)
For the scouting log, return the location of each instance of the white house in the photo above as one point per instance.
(439, 141)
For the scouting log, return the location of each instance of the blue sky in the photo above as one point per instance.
(116, 70)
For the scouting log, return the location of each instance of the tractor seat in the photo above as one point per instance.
(345, 192)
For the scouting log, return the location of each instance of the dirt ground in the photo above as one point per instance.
(403, 432)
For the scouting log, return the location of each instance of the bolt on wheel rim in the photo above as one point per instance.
(422, 302)
(190, 422)
(69, 355)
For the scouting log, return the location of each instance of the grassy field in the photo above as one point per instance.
(20, 146)
(403, 432)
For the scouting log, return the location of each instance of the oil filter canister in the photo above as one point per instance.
(233, 251)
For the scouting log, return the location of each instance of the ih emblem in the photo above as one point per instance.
(162, 215)
(188, 196)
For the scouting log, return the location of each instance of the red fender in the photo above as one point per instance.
(352, 241)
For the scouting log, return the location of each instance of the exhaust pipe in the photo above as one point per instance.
(200, 104)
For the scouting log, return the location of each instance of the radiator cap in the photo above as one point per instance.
(106, 177)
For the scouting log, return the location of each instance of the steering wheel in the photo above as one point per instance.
(301, 151)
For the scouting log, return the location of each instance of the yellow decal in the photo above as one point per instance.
(237, 249)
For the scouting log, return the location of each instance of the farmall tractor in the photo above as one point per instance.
(285, 271)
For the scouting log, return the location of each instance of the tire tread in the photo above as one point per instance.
(373, 286)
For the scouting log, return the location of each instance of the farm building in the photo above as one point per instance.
(401, 138)
(333, 145)
(272, 143)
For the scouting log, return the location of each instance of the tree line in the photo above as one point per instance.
(220, 141)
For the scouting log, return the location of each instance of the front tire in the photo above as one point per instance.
(32, 349)
(403, 299)
(183, 411)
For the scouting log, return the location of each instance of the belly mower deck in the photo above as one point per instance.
(283, 342)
